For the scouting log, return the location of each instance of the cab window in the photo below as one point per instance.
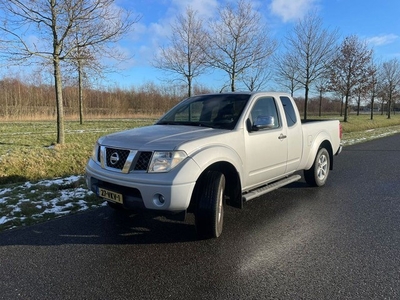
(265, 111)
(290, 113)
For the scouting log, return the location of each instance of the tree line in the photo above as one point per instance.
(23, 101)
(20, 100)
(76, 35)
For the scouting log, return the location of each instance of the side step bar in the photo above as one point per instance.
(269, 187)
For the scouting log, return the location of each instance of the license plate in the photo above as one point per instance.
(109, 195)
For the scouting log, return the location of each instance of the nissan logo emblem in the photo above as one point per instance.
(114, 158)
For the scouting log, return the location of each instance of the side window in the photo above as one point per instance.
(289, 111)
(265, 108)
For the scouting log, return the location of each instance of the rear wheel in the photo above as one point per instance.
(318, 173)
(209, 214)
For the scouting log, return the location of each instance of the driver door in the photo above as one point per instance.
(265, 146)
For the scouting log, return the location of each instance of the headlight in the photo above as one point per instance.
(96, 149)
(164, 161)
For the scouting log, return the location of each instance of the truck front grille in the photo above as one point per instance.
(143, 161)
(116, 158)
(121, 159)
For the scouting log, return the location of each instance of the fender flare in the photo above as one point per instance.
(321, 140)
(225, 160)
(205, 157)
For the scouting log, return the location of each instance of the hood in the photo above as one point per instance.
(158, 137)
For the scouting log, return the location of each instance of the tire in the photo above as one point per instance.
(318, 173)
(209, 214)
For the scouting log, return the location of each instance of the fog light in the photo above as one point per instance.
(158, 200)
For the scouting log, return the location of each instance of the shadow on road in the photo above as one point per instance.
(107, 226)
(102, 226)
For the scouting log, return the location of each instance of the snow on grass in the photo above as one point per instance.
(367, 135)
(30, 203)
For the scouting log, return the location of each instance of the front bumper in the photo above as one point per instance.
(144, 190)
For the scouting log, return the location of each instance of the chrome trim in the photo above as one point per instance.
(128, 162)
(103, 158)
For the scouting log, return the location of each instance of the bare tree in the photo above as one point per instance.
(351, 69)
(83, 59)
(239, 41)
(322, 87)
(373, 88)
(311, 47)
(390, 81)
(184, 56)
(55, 23)
(255, 77)
(359, 92)
(286, 72)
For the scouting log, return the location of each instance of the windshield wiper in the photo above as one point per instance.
(168, 123)
(203, 124)
(198, 124)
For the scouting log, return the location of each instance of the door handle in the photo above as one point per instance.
(282, 136)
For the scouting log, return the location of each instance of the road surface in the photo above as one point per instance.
(341, 241)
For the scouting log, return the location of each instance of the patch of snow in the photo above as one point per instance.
(69, 199)
(3, 191)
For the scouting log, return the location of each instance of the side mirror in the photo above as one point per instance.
(263, 122)
(248, 125)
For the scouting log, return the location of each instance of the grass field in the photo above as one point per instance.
(28, 151)
(40, 180)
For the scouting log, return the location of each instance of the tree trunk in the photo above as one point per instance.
(320, 103)
(305, 102)
(341, 107)
(59, 102)
(80, 92)
(346, 108)
(372, 107)
(189, 86)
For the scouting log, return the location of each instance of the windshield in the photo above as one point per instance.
(216, 111)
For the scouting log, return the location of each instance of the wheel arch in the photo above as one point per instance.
(232, 184)
(328, 146)
(324, 143)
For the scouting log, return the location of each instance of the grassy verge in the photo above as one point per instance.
(28, 152)
(361, 128)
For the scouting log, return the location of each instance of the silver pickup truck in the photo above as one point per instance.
(210, 151)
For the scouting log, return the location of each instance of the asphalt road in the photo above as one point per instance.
(341, 241)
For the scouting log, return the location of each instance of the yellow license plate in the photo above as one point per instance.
(109, 195)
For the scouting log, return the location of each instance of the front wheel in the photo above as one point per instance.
(209, 214)
(318, 173)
